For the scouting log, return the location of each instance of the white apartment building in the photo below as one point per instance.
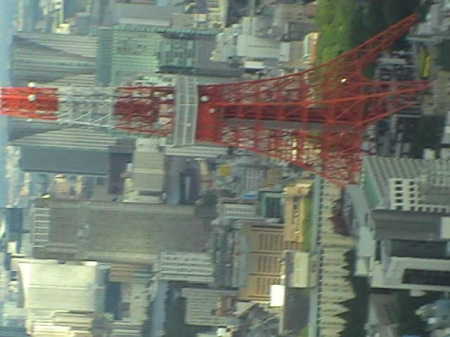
(416, 195)
(416, 274)
(48, 286)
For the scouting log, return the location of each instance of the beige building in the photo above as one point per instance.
(295, 211)
(258, 251)
(310, 48)
(112, 232)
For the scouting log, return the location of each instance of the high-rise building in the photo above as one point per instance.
(146, 13)
(53, 59)
(185, 266)
(131, 51)
(384, 178)
(202, 306)
(112, 231)
(257, 260)
(401, 224)
(48, 286)
(20, 127)
(76, 151)
(179, 55)
(127, 52)
(413, 250)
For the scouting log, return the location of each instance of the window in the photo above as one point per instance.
(426, 277)
(149, 193)
(101, 181)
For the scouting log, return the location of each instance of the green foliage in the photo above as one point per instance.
(344, 24)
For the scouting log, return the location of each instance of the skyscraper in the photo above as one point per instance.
(53, 59)
(112, 231)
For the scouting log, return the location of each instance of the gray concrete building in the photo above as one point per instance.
(401, 237)
(185, 266)
(202, 304)
(75, 151)
(53, 59)
(112, 231)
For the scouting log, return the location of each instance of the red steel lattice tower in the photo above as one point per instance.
(315, 119)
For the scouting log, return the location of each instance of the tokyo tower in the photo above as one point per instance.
(315, 119)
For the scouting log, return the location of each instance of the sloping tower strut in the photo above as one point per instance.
(315, 119)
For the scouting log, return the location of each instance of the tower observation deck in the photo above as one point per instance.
(315, 119)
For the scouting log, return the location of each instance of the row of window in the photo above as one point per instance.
(426, 277)
(422, 208)
(268, 264)
(263, 284)
(270, 241)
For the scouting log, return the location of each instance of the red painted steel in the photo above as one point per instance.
(315, 119)
(147, 110)
(36, 103)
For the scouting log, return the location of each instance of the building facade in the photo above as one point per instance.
(185, 266)
(202, 306)
(179, 55)
(401, 224)
(237, 209)
(53, 59)
(257, 258)
(112, 232)
(48, 286)
(128, 52)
